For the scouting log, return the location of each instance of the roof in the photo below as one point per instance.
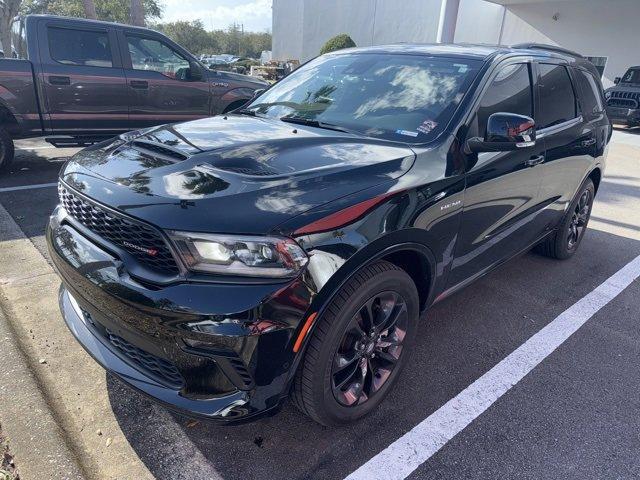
(468, 50)
(86, 21)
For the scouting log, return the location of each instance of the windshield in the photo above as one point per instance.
(407, 98)
(632, 76)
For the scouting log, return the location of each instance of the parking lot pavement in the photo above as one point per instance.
(573, 416)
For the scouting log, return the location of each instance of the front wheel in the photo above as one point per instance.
(7, 150)
(359, 346)
(565, 242)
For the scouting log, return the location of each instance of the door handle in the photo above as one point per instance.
(588, 143)
(534, 160)
(57, 80)
(142, 84)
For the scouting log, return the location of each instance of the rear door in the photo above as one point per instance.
(501, 203)
(571, 135)
(81, 77)
(160, 87)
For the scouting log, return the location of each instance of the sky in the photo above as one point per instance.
(219, 14)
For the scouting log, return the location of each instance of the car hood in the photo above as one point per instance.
(231, 174)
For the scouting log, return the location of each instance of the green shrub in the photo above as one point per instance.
(337, 43)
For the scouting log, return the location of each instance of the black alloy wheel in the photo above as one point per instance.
(564, 242)
(579, 219)
(358, 346)
(370, 348)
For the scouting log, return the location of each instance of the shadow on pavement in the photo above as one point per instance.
(460, 339)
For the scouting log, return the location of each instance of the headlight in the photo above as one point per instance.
(607, 95)
(240, 255)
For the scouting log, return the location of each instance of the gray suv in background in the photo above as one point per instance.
(623, 99)
(81, 81)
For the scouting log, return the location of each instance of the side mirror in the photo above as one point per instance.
(617, 80)
(505, 132)
(195, 73)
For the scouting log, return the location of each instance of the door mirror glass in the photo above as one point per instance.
(616, 80)
(504, 132)
(195, 73)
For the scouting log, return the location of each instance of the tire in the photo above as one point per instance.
(7, 150)
(565, 242)
(384, 354)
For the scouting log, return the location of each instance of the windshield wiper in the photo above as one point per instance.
(316, 123)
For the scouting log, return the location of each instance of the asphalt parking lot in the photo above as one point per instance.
(574, 415)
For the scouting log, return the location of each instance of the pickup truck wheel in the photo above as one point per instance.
(359, 346)
(565, 242)
(7, 150)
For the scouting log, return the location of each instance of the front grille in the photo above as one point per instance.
(624, 99)
(158, 368)
(142, 241)
(622, 103)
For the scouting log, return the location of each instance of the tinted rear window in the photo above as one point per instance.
(558, 102)
(80, 47)
(590, 96)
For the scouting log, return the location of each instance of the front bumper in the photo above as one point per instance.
(624, 116)
(206, 349)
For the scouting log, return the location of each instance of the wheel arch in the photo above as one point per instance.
(596, 176)
(8, 120)
(414, 256)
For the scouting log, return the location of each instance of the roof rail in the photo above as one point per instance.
(551, 48)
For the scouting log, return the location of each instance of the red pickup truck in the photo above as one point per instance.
(77, 82)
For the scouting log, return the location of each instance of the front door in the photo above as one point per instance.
(501, 202)
(82, 79)
(161, 86)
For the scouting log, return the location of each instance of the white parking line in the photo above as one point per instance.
(415, 447)
(28, 187)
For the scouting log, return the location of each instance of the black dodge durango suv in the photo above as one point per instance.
(289, 248)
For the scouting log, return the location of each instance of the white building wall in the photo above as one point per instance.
(368, 22)
(287, 26)
(479, 22)
(591, 27)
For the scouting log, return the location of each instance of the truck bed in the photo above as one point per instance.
(19, 97)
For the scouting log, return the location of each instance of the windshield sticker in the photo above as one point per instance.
(461, 67)
(427, 126)
(407, 132)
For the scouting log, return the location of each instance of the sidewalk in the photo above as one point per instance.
(54, 405)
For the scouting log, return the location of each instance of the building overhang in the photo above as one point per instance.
(522, 2)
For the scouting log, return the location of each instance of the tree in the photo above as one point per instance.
(8, 10)
(191, 35)
(137, 13)
(90, 9)
(337, 43)
(108, 10)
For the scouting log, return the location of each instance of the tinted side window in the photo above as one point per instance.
(149, 54)
(590, 96)
(558, 102)
(510, 91)
(80, 47)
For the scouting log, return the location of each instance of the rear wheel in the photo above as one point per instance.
(359, 346)
(565, 242)
(7, 150)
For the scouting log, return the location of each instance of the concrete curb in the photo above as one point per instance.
(35, 438)
(73, 385)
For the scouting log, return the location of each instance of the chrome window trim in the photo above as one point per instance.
(559, 127)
